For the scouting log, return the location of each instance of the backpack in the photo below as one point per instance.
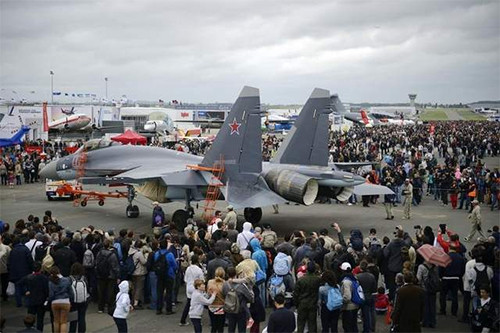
(80, 292)
(405, 253)
(432, 283)
(280, 265)
(40, 252)
(118, 247)
(102, 266)
(356, 240)
(357, 296)
(334, 299)
(481, 279)
(128, 267)
(88, 259)
(276, 286)
(231, 301)
(160, 265)
(48, 261)
(374, 248)
(260, 277)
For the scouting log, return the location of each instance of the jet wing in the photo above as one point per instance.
(371, 189)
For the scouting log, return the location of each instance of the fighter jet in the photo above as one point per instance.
(165, 175)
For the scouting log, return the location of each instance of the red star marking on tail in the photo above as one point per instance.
(235, 127)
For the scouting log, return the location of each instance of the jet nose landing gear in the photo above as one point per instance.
(132, 210)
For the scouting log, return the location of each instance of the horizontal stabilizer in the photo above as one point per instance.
(251, 194)
(371, 189)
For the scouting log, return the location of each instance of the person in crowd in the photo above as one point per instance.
(305, 296)
(381, 301)
(4, 272)
(122, 307)
(329, 317)
(393, 256)
(237, 317)
(485, 314)
(281, 320)
(408, 198)
(165, 267)
(198, 302)
(37, 292)
(158, 219)
(19, 264)
(451, 279)
(60, 293)
(79, 297)
(216, 309)
(64, 257)
(245, 236)
(389, 203)
(369, 284)
(409, 306)
(349, 308)
(231, 217)
(428, 278)
(139, 273)
(108, 274)
(475, 220)
(33, 243)
(193, 273)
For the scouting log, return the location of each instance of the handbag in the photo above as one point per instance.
(11, 289)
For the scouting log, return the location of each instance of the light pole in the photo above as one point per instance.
(51, 87)
(106, 80)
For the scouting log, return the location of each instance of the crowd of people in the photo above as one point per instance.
(234, 275)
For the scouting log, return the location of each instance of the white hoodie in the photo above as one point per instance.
(245, 236)
(122, 301)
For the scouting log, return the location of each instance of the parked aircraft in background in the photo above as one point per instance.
(69, 112)
(70, 123)
(164, 175)
(16, 138)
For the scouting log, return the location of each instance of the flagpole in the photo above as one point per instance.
(51, 87)
(106, 80)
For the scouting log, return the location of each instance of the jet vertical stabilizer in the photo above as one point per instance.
(307, 141)
(239, 139)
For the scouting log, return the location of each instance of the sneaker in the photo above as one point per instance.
(184, 324)
(100, 311)
(349, 204)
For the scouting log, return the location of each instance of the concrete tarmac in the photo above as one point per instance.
(30, 199)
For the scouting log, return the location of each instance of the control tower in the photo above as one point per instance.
(412, 99)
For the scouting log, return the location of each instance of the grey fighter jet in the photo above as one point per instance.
(165, 175)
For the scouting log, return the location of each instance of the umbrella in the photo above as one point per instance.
(434, 255)
(371, 189)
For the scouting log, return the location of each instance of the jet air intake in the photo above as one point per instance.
(293, 186)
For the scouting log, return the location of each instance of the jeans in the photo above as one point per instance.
(196, 324)
(185, 312)
(20, 290)
(138, 281)
(368, 313)
(236, 319)
(390, 283)
(466, 305)
(121, 325)
(39, 312)
(429, 310)
(164, 285)
(152, 290)
(329, 320)
(217, 322)
(452, 286)
(494, 200)
(81, 308)
(350, 321)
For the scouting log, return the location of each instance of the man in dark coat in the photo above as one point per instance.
(409, 306)
(64, 257)
(20, 264)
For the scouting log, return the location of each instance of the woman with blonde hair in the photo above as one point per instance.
(59, 297)
(215, 310)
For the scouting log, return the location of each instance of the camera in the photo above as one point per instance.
(417, 227)
(443, 228)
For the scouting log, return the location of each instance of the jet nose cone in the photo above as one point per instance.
(358, 179)
(49, 171)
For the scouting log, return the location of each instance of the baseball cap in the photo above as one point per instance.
(345, 266)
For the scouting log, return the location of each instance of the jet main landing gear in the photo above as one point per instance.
(132, 210)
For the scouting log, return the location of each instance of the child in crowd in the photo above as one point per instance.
(381, 301)
(198, 302)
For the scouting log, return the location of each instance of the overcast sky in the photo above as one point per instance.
(205, 51)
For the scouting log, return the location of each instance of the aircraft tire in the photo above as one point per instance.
(132, 211)
(100, 202)
(180, 218)
(83, 203)
(253, 215)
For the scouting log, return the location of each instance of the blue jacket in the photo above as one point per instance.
(172, 264)
(20, 262)
(259, 255)
(60, 290)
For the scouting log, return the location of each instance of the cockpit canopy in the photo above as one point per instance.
(95, 144)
